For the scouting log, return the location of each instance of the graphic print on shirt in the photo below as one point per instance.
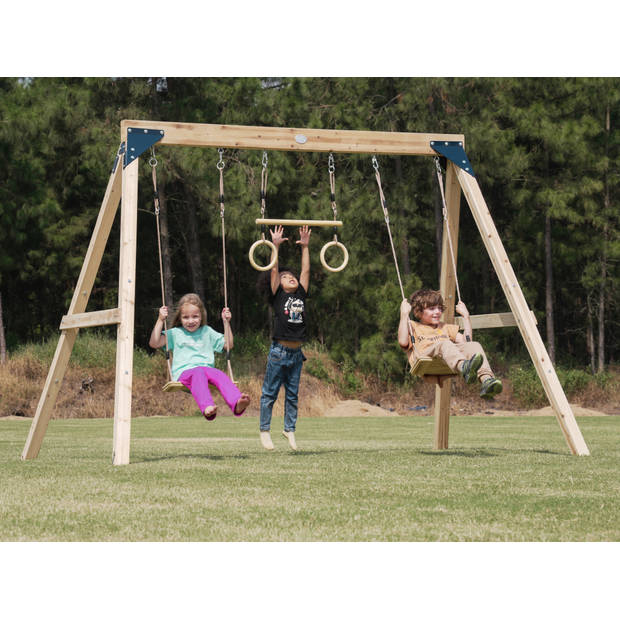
(293, 309)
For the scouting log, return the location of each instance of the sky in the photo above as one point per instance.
(322, 38)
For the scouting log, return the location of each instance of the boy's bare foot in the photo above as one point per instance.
(210, 412)
(242, 404)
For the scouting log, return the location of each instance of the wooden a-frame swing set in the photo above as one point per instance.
(138, 136)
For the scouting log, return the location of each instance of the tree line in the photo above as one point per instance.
(545, 151)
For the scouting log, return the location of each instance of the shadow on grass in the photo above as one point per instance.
(471, 453)
(474, 453)
(207, 457)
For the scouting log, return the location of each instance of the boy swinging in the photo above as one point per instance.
(436, 339)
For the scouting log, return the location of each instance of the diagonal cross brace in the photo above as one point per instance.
(455, 152)
(138, 141)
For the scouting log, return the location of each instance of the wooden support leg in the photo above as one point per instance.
(518, 305)
(81, 295)
(447, 285)
(126, 302)
(442, 415)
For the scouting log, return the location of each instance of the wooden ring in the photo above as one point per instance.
(344, 252)
(273, 249)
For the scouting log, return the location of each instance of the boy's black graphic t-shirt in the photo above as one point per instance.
(288, 309)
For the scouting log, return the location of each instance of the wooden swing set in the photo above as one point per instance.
(137, 136)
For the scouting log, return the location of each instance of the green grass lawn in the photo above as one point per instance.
(353, 479)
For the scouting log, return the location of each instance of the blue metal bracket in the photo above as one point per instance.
(138, 141)
(455, 152)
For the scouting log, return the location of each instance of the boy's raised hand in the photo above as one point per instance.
(405, 308)
(461, 308)
(304, 236)
(276, 235)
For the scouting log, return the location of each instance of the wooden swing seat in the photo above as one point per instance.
(174, 386)
(431, 366)
(177, 386)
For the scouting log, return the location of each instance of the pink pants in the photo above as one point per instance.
(197, 381)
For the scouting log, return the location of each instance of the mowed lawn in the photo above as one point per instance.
(353, 479)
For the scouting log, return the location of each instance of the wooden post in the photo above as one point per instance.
(447, 285)
(518, 305)
(126, 304)
(81, 295)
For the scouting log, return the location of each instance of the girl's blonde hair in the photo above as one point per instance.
(425, 298)
(190, 298)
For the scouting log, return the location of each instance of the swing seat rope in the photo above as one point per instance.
(422, 365)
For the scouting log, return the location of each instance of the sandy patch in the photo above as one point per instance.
(548, 411)
(356, 408)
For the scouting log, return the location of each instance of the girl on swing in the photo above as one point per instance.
(193, 344)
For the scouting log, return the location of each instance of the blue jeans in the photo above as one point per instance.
(283, 368)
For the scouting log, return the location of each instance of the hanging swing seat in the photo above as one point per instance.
(174, 386)
(431, 366)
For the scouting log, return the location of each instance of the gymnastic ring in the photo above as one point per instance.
(273, 250)
(344, 252)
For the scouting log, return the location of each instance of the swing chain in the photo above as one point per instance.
(153, 164)
(220, 164)
(263, 188)
(375, 164)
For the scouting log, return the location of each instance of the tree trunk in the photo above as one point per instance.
(438, 223)
(404, 241)
(2, 338)
(590, 339)
(192, 248)
(602, 290)
(165, 247)
(549, 292)
(601, 301)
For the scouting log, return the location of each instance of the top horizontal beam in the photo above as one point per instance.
(292, 139)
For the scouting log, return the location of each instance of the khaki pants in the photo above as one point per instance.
(453, 354)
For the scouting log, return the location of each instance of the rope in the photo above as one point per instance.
(386, 215)
(153, 164)
(445, 217)
(220, 166)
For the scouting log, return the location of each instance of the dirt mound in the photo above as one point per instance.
(357, 409)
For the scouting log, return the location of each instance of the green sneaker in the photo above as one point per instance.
(470, 368)
(490, 387)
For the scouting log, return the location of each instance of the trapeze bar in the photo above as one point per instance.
(270, 222)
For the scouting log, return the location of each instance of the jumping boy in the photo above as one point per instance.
(288, 299)
(436, 339)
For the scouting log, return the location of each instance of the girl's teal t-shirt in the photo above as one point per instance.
(191, 349)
